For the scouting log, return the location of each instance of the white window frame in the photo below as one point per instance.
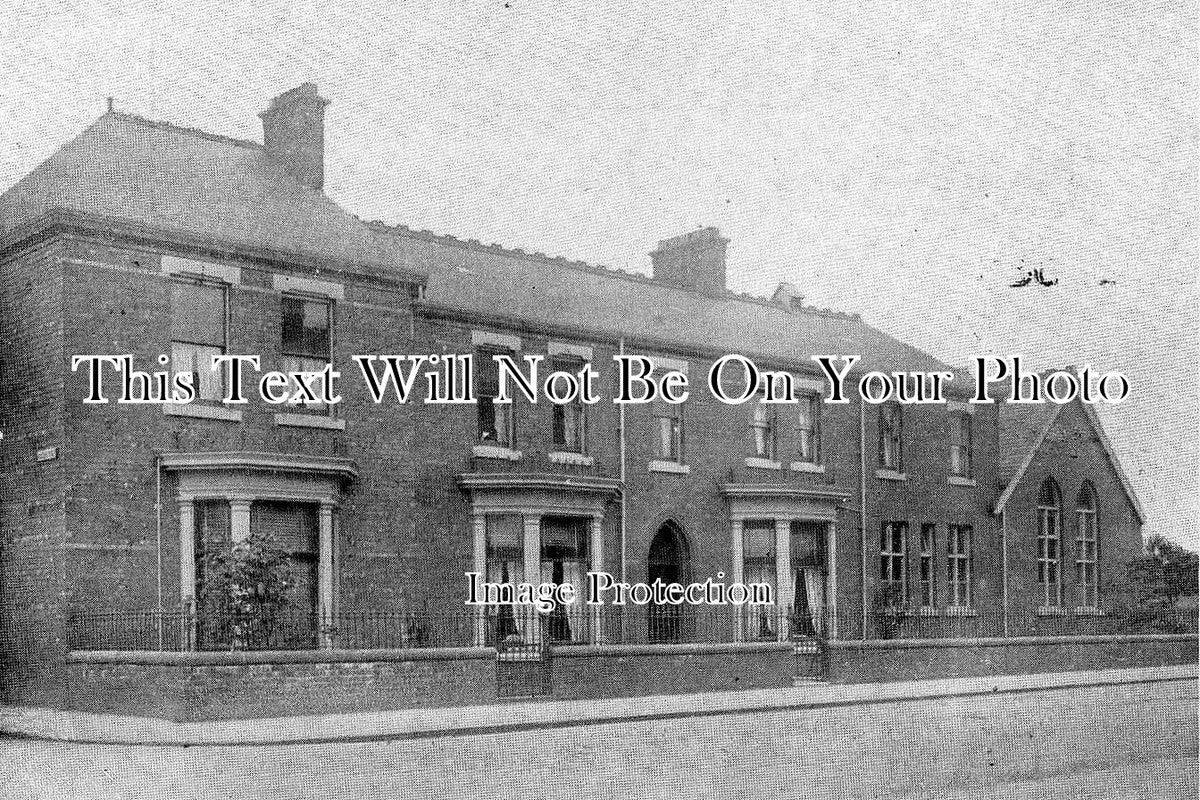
(1087, 549)
(959, 544)
(1050, 533)
(891, 557)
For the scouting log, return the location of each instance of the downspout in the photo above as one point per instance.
(862, 505)
(621, 439)
(158, 536)
(1004, 569)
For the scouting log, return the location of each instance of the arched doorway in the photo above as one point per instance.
(667, 561)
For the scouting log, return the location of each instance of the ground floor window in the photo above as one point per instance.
(565, 560)
(807, 550)
(506, 565)
(758, 558)
(893, 541)
(958, 565)
(233, 605)
(926, 571)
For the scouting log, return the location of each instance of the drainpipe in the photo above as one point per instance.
(1004, 569)
(621, 439)
(862, 505)
(158, 535)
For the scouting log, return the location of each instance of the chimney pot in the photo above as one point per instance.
(294, 133)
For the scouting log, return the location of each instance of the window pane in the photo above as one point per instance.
(758, 539)
(198, 314)
(197, 359)
(305, 327)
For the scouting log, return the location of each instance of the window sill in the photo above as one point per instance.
(961, 611)
(807, 466)
(928, 611)
(1090, 611)
(763, 463)
(310, 421)
(202, 412)
(959, 480)
(669, 466)
(1051, 611)
(492, 451)
(890, 475)
(567, 457)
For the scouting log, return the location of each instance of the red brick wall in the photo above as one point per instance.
(870, 662)
(31, 491)
(1071, 454)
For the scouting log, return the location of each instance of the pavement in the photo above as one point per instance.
(74, 726)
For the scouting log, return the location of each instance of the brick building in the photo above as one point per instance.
(144, 238)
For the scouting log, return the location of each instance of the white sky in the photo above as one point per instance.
(902, 160)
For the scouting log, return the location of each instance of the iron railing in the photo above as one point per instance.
(509, 626)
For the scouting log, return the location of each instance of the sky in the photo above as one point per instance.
(906, 161)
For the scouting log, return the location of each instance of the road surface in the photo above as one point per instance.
(1128, 741)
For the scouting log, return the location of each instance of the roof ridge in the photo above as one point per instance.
(170, 126)
(598, 269)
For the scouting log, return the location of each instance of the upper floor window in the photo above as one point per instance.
(928, 573)
(762, 428)
(1086, 553)
(668, 418)
(570, 419)
(199, 320)
(1049, 543)
(893, 542)
(306, 339)
(496, 426)
(958, 565)
(891, 437)
(960, 445)
(808, 429)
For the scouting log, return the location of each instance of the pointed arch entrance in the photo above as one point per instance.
(669, 561)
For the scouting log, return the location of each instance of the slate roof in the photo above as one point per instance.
(1022, 430)
(180, 180)
(1022, 427)
(168, 178)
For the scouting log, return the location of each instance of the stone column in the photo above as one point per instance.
(325, 567)
(735, 576)
(784, 583)
(479, 535)
(531, 621)
(187, 573)
(596, 540)
(239, 519)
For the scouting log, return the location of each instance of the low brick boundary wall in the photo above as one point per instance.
(875, 661)
(194, 686)
(187, 687)
(595, 671)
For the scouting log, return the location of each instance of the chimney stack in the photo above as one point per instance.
(694, 260)
(294, 133)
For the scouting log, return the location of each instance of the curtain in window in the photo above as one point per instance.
(813, 580)
(506, 564)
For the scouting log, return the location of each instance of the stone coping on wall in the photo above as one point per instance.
(693, 649)
(223, 658)
(239, 658)
(1012, 641)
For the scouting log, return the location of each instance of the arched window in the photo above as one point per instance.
(1086, 567)
(1050, 543)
